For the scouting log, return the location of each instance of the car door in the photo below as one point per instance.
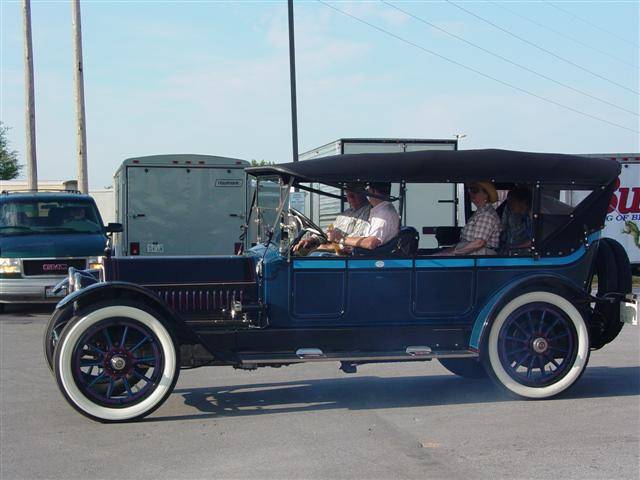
(442, 288)
(318, 290)
(379, 290)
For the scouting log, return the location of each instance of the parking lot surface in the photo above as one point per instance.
(412, 420)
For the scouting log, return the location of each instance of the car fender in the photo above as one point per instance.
(99, 292)
(544, 282)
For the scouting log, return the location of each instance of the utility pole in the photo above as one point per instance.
(30, 107)
(83, 181)
(292, 71)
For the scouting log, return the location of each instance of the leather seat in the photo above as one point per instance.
(405, 244)
(447, 236)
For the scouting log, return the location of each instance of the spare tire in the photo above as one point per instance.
(625, 279)
(624, 285)
(607, 272)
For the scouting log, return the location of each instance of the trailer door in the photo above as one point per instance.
(184, 211)
(217, 210)
(156, 209)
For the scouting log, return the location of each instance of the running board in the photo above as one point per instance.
(316, 355)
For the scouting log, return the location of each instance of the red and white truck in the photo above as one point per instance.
(623, 219)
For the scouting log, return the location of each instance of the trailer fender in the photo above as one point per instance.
(544, 282)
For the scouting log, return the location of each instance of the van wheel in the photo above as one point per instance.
(464, 367)
(538, 346)
(116, 363)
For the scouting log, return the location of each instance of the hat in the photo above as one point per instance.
(382, 187)
(490, 189)
(352, 186)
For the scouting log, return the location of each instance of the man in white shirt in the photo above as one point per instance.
(353, 221)
(384, 222)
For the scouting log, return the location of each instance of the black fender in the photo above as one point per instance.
(543, 282)
(104, 291)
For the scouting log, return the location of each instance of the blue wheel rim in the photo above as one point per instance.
(117, 363)
(537, 344)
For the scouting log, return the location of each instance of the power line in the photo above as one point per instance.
(497, 55)
(549, 52)
(564, 35)
(515, 87)
(594, 25)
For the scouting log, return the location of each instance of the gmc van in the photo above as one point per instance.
(42, 234)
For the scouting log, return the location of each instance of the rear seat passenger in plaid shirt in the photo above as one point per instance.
(484, 224)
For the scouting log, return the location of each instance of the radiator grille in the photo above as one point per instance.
(53, 266)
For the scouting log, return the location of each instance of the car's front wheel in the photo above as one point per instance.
(116, 363)
(538, 345)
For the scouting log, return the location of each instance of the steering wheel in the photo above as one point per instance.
(305, 225)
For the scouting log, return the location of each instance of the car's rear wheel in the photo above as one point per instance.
(538, 345)
(116, 363)
(464, 367)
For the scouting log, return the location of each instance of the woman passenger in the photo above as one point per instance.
(481, 234)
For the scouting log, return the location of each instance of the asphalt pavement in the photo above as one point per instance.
(387, 421)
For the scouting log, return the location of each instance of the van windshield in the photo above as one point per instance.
(24, 217)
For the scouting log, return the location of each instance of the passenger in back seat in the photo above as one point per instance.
(516, 220)
(481, 234)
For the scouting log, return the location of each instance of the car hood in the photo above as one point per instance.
(50, 245)
(181, 270)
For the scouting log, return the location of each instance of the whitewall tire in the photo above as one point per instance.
(538, 345)
(125, 351)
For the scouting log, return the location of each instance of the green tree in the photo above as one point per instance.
(9, 166)
(261, 163)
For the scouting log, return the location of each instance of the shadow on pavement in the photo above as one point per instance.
(357, 393)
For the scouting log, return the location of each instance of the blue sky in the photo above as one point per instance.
(212, 78)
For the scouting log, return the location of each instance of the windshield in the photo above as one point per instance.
(23, 217)
(269, 193)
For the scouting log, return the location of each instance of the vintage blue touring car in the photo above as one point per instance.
(526, 317)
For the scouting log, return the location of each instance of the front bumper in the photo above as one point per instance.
(28, 289)
(629, 310)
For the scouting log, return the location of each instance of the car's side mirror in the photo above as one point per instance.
(113, 228)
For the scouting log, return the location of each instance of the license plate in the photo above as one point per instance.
(155, 248)
(629, 312)
(48, 292)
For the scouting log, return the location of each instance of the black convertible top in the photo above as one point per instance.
(434, 166)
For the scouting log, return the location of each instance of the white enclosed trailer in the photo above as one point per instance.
(427, 205)
(180, 205)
